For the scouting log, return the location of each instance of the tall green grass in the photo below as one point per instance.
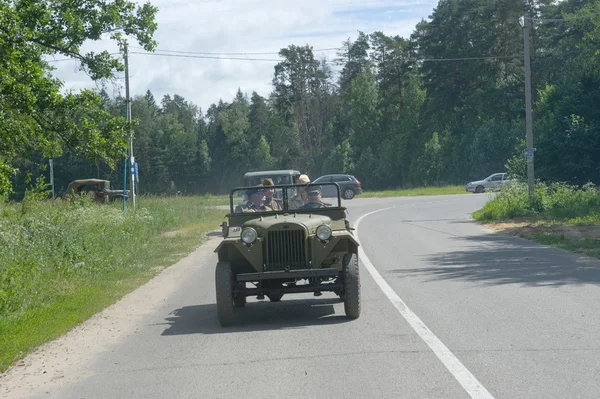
(555, 200)
(60, 265)
(417, 191)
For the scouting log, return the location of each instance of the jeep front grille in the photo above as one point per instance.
(286, 249)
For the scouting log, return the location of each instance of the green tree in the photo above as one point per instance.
(298, 81)
(35, 115)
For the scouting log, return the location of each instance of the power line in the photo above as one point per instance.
(74, 59)
(208, 57)
(564, 19)
(327, 61)
(462, 59)
(279, 60)
(64, 59)
(226, 53)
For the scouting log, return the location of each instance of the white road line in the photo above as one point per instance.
(456, 368)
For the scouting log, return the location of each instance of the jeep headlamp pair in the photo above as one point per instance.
(249, 235)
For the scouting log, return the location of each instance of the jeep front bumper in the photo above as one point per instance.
(299, 274)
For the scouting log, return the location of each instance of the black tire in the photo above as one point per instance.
(348, 194)
(275, 296)
(351, 294)
(224, 292)
(479, 189)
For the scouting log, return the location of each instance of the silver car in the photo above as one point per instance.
(489, 183)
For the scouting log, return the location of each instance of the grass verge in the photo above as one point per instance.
(419, 191)
(560, 215)
(61, 265)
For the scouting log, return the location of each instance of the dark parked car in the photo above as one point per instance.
(349, 185)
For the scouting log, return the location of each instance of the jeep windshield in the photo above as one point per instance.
(285, 198)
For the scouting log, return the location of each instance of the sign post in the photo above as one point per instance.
(133, 164)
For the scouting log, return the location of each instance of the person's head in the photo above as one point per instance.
(313, 194)
(257, 195)
(304, 180)
(269, 190)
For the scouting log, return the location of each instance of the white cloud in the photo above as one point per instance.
(245, 26)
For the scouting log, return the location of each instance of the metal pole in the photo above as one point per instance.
(125, 178)
(128, 102)
(126, 151)
(52, 178)
(528, 115)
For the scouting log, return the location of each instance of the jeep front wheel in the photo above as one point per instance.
(224, 291)
(351, 294)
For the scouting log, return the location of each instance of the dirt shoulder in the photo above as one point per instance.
(581, 238)
(67, 359)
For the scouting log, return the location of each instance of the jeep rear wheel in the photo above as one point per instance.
(224, 291)
(351, 295)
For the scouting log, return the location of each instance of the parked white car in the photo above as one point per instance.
(491, 182)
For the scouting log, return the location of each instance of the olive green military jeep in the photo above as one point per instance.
(308, 246)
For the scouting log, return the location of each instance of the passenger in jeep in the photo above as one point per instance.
(272, 204)
(299, 200)
(256, 201)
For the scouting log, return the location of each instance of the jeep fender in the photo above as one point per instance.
(235, 250)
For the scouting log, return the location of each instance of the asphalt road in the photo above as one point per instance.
(449, 311)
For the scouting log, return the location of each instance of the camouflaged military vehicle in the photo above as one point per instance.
(98, 189)
(308, 246)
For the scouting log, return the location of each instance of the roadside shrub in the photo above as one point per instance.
(556, 200)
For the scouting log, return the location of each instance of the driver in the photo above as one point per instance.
(313, 198)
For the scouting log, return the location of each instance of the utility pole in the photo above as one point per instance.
(526, 24)
(128, 102)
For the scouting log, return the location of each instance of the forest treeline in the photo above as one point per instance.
(443, 106)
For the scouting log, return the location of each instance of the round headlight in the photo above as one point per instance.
(323, 232)
(249, 235)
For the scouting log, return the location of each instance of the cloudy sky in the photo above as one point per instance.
(244, 26)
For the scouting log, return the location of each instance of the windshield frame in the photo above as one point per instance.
(285, 191)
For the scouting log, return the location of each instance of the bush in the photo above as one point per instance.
(558, 200)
